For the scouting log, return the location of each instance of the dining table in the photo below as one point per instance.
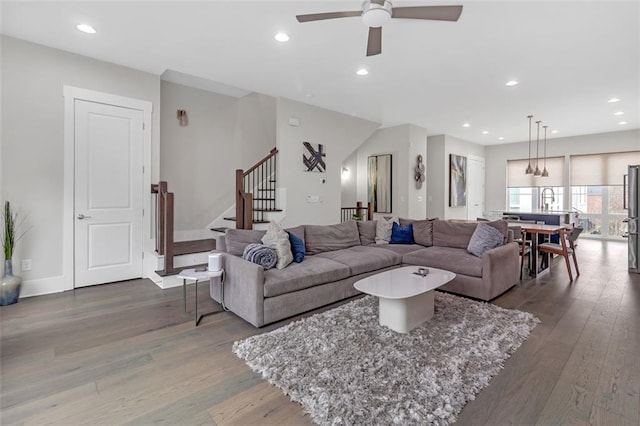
(536, 229)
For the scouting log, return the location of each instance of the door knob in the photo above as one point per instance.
(81, 216)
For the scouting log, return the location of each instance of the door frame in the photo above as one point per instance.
(71, 94)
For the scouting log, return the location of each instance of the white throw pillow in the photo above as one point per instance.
(383, 230)
(278, 239)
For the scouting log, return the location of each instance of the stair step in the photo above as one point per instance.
(267, 210)
(222, 229)
(194, 246)
(264, 199)
(266, 189)
(229, 218)
(254, 221)
(176, 271)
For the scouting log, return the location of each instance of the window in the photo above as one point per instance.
(531, 199)
(601, 213)
(597, 191)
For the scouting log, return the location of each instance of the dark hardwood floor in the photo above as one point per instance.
(125, 353)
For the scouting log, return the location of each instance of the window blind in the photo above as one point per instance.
(516, 178)
(601, 169)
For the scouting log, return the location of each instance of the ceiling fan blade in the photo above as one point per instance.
(434, 13)
(374, 45)
(330, 15)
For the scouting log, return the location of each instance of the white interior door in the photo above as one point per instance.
(107, 193)
(475, 187)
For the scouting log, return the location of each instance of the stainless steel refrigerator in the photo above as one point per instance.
(633, 206)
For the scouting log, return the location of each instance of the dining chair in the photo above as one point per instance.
(525, 245)
(566, 248)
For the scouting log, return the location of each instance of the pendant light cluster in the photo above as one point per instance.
(530, 170)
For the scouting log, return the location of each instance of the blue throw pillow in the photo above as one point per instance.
(401, 234)
(297, 247)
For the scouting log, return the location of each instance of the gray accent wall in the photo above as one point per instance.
(199, 160)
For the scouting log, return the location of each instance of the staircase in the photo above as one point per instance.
(165, 244)
(255, 193)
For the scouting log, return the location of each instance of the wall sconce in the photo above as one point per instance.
(182, 117)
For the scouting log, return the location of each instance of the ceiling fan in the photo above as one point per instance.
(376, 12)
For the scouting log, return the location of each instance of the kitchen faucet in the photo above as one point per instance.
(546, 197)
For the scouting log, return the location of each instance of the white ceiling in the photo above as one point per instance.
(570, 58)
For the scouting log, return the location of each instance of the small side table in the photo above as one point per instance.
(197, 276)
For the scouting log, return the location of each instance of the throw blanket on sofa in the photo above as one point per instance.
(261, 255)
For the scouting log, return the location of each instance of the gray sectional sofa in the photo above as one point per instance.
(339, 255)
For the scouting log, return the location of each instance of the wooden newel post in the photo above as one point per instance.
(369, 211)
(239, 199)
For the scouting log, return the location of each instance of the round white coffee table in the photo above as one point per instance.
(405, 298)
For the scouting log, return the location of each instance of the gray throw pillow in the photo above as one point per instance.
(485, 237)
(367, 231)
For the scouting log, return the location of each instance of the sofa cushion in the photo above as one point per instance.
(447, 258)
(297, 247)
(319, 238)
(398, 248)
(367, 231)
(364, 259)
(452, 234)
(314, 270)
(298, 231)
(401, 234)
(278, 239)
(237, 239)
(423, 232)
(383, 229)
(484, 238)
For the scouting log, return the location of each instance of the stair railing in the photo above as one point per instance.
(255, 191)
(356, 213)
(164, 224)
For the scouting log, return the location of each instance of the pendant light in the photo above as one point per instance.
(537, 172)
(545, 172)
(529, 169)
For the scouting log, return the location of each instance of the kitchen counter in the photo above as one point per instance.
(551, 217)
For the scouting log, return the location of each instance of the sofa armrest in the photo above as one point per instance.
(243, 288)
(501, 268)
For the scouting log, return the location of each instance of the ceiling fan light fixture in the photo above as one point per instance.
(375, 15)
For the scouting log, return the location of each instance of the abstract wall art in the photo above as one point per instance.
(313, 157)
(457, 180)
(379, 182)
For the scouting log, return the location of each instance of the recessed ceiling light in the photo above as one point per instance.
(466, 125)
(501, 138)
(86, 28)
(485, 132)
(511, 83)
(282, 37)
(618, 113)
(622, 123)
(612, 100)
(308, 95)
(554, 131)
(362, 71)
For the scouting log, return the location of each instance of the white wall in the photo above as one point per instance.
(340, 134)
(394, 141)
(437, 175)
(416, 198)
(32, 143)
(349, 181)
(497, 156)
(458, 147)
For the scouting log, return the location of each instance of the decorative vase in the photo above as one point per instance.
(10, 288)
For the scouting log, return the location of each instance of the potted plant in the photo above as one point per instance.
(10, 286)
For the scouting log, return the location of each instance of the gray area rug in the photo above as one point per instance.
(346, 369)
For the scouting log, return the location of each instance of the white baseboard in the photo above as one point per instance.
(43, 286)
